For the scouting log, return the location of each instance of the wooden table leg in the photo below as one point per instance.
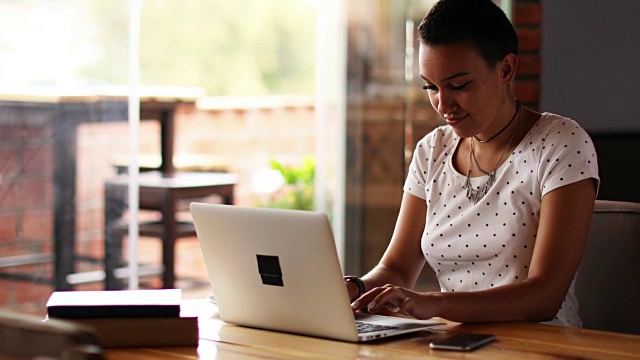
(169, 239)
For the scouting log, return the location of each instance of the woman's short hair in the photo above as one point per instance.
(479, 22)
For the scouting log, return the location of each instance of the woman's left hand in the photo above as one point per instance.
(391, 299)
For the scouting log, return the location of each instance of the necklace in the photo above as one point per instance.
(504, 128)
(476, 194)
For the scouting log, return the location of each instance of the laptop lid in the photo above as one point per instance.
(276, 269)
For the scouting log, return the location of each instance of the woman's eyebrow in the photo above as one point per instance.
(451, 77)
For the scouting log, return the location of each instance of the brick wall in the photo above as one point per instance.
(527, 18)
(26, 191)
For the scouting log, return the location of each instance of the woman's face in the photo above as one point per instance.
(468, 94)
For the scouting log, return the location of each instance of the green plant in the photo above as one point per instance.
(297, 191)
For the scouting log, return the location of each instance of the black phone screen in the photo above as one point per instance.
(462, 341)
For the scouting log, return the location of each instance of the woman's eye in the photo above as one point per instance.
(461, 87)
(429, 87)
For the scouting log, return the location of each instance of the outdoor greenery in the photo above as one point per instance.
(297, 191)
(239, 47)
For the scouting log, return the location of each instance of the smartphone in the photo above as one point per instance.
(462, 342)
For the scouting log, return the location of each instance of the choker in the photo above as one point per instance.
(504, 128)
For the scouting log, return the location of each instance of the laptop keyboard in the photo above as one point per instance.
(364, 327)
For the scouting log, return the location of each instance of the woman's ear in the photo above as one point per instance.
(507, 68)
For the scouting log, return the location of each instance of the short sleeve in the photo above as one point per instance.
(429, 159)
(568, 156)
(415, 182)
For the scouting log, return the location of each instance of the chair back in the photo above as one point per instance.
(609, 273)
(28, 336)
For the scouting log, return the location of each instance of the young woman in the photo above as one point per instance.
(498, 201)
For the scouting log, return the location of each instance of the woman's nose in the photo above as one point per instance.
(445, 105)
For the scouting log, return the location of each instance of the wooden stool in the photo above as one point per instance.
(162, 194)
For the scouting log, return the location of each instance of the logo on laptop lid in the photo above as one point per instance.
(269, 269)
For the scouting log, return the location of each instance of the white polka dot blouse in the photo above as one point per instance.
(480, 246)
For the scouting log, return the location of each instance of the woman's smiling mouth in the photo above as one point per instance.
(454, 120)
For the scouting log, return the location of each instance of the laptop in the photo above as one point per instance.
(278, 270)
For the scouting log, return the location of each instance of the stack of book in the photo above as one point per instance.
(129, 318)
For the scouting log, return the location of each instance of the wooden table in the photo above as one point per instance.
(514, 341)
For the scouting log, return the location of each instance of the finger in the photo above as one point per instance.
(389, 298)
(405, 306)
(363, 301)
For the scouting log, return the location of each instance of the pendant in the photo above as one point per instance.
(476, 195)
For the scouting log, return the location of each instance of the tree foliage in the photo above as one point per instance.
(239, 47)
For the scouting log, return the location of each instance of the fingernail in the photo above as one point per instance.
(371, 305)
(395, 309)
(355, 304)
